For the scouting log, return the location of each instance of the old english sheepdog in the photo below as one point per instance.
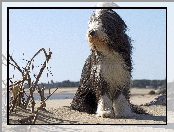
(104, 86)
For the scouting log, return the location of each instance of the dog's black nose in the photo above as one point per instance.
(92, 33)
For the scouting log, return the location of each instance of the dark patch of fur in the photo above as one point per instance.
(90, 87)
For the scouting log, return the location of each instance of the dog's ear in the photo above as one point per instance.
(113, 21)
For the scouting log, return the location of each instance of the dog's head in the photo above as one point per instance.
(107, 32)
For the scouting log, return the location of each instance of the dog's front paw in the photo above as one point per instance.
(105, 114)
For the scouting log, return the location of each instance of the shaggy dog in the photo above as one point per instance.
(105, 80)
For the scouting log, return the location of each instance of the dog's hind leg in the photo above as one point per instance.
(122, 107)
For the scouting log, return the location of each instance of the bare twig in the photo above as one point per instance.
(42, 104)
(18, 90)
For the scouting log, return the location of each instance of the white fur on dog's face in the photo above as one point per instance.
(95, 24)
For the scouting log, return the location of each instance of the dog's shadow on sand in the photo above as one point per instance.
(145, 117)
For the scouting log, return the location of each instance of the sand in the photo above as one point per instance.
(59, 112)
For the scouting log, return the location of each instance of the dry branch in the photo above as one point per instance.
(18, 90)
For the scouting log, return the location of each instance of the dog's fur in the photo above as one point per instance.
(106, 75)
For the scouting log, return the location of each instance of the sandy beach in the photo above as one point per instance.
(58, 111)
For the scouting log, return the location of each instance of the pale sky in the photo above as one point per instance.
(64, 33)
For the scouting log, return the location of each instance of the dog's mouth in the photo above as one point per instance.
(95, 35)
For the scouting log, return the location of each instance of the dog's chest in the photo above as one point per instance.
(113, 69)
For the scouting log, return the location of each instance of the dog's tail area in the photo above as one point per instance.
(85, 102)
